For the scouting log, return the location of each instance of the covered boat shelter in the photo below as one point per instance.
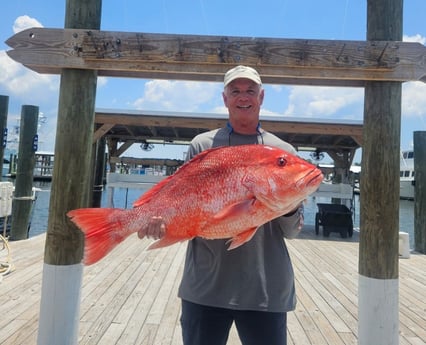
(123, 128)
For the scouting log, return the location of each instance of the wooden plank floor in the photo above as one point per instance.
(130, 297)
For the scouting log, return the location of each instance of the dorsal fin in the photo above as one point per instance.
(148, 195)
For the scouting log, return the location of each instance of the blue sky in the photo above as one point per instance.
(312, 19)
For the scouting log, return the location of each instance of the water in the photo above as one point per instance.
(406, 214)
(124, 198)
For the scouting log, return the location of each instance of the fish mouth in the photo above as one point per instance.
(312, 178)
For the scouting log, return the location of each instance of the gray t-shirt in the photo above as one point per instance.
(255, 276)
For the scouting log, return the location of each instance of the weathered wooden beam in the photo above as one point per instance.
(146, 161)
(145, 119)
(206, 58)
(101, 131)
(125, 146)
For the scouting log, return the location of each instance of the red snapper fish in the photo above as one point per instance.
(224, 192)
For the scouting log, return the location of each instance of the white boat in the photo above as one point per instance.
(406, 174)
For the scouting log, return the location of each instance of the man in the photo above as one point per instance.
(252, 285)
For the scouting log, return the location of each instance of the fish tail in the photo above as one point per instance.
(101, 228)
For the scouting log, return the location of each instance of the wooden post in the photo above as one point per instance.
(112, 150)
(4, 107)
(12, 163)
(99, 169)
(379, 194)
(420, 191)
(23, 200)
(71, 188)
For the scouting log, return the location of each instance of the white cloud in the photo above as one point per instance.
(25, 84)
(414, 93)
(102, 81)
(8, 68)
(348, 103)
(178, 95)
(220, 109)
(21, 82)
(25, 22)
(311, 101)
(416, 38)
(267, 112)
(414, 99)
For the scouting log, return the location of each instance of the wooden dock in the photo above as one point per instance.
(130, 297)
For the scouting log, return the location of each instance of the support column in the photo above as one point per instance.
(379, 194)
(23, 199)
(99, 172)
(4, 108)
(420, 191)
(71, 189)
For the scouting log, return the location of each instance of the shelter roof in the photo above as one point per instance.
(140, 126)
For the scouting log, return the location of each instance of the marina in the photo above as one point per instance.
(130, 297)
(43, 166)
(351, 289)
(118, 194)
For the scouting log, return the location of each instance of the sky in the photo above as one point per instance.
(309, 19)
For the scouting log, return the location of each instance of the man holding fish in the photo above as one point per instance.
(234, 200)
(253, 284)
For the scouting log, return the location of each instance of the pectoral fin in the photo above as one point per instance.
(242, 238)
(237, 210)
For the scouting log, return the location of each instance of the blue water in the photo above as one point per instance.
(124, 198)
(406, 214)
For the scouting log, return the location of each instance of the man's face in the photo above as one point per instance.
(243, 98)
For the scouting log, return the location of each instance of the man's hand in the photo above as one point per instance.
(156, 229)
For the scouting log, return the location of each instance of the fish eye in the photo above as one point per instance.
(281, 161)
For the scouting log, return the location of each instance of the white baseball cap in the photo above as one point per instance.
(242, 72)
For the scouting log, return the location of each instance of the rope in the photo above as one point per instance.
(23, 197)
(5, 266)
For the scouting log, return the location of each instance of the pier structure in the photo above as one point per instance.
(379, 64)
(130, 296)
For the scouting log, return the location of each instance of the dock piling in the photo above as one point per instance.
(379, 194)
(4, 108)
(23, 198)
(70, 189)
(420, 191)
